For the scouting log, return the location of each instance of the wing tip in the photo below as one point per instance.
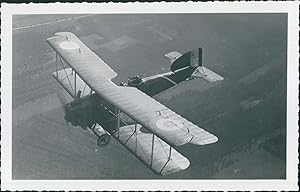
(184, 164)
(65, 35)
(200, 141)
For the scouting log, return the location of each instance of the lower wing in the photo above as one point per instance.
(151, 150)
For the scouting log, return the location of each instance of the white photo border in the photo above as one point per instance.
(290, 183)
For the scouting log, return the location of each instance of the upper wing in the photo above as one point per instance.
(154, 116)
(70, 48)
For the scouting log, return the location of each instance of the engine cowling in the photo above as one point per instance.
(83, 111)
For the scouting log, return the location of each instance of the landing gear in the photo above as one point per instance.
(103, 140)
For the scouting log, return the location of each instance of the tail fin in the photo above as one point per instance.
(192, 60)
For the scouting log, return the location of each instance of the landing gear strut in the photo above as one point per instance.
(103, 138)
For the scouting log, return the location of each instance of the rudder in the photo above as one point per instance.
(190, 59)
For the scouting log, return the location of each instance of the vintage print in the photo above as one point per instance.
(146, 96)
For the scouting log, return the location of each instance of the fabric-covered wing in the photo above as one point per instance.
(154, 116)
(77, 53)
(162, 158)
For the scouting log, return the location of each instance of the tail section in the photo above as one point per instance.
(179, 61)
(173, 56)
(192, 63)
(206, 74)
(183, 67)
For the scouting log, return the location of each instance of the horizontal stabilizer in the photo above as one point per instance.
(172, 56)
(207, 74)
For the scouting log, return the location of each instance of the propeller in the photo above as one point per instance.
(64, 99)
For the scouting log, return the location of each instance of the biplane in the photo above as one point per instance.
(127, 112)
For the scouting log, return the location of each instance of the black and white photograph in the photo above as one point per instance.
(149, 96)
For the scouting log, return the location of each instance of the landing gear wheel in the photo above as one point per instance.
(103, 140)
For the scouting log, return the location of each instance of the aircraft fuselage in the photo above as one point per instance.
(91, 109)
